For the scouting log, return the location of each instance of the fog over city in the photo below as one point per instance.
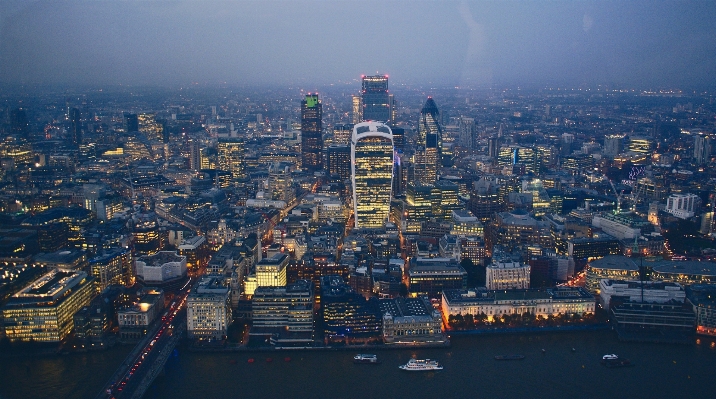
(469, 43)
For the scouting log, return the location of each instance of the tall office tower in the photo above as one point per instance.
(375, 100)
(428, 156)
(194, 155)
(357, 109)
(468, 132)
(339, 161)
(372, 173)
(393, 106)
(493, 147)
(230, 153)
(75, 127)
(342, 134)
(132, 124)
(19, 125)
(312, 133)
(567, 142)
(612, 145)
(702, 148)
(398, 137)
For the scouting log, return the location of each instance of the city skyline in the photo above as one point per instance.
(467, 44)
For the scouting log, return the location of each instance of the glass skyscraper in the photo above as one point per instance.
(375, 99)
(312, 133)
(428, 156)
(372, 173)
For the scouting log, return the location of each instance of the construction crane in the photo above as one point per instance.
(618, 195)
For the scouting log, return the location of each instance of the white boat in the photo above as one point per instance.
(365, 358)
(610, 357)
(421, 365)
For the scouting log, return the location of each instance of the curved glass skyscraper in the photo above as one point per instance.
(371, 173)
(430, 136)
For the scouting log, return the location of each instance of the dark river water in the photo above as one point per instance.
(470, 371)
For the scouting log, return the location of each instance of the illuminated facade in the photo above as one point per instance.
(43, 311)
(372, 173)
(312, 133)
(231, 157)
(505, 274)
(271, 272)
(112, 267)
(427, 159)
(375, 101)
(208, 309)
(538, 302)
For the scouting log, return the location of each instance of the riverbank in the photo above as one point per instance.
(531, 330)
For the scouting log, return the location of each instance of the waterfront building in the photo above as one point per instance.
(162, 267)
(135, 319)
(610, 267)
(43, 311)
(504, 273)
(538, 302)
(312, 133)
(430, 276)
(346, 315)
(702, 298)
(375, 100)
(271, 272)
(285, 314)
(618, 291)
(372, 173)
(410, 320)
(208, 309)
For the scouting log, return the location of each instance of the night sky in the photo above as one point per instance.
(641, 44)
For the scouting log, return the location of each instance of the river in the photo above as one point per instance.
(660, 371)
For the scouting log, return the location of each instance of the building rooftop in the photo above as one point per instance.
(614, 262)
(161, 258)
(52, 286)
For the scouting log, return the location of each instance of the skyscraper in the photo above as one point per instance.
(428, 156)
(311, 133)
(75, 127)
(372, 173)
(19, 125)
(375, 99)
(702, 148)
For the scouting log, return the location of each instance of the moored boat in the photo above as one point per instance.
(509, 357)
(421, 365)
(366, 358)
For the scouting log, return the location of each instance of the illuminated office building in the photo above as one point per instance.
(231, 157)
(641, 144)
(342, 134)
(357, 109)
(428, 158)
(339, 161)
(372, 174)
(43, 311)
(112, 267)
(271, 272)
(375, 100)
(312, 133)
(208, 309)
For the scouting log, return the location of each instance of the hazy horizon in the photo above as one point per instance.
(450, 43)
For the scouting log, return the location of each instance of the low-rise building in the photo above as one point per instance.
(430, 276)
(162, 267)
(610, 267)
(411, 320)
(538, 302)
(702, 298)
(134, 320)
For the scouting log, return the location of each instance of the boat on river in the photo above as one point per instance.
(366, 358)
(421, 365)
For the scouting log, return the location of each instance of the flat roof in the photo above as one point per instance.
(614, 262)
